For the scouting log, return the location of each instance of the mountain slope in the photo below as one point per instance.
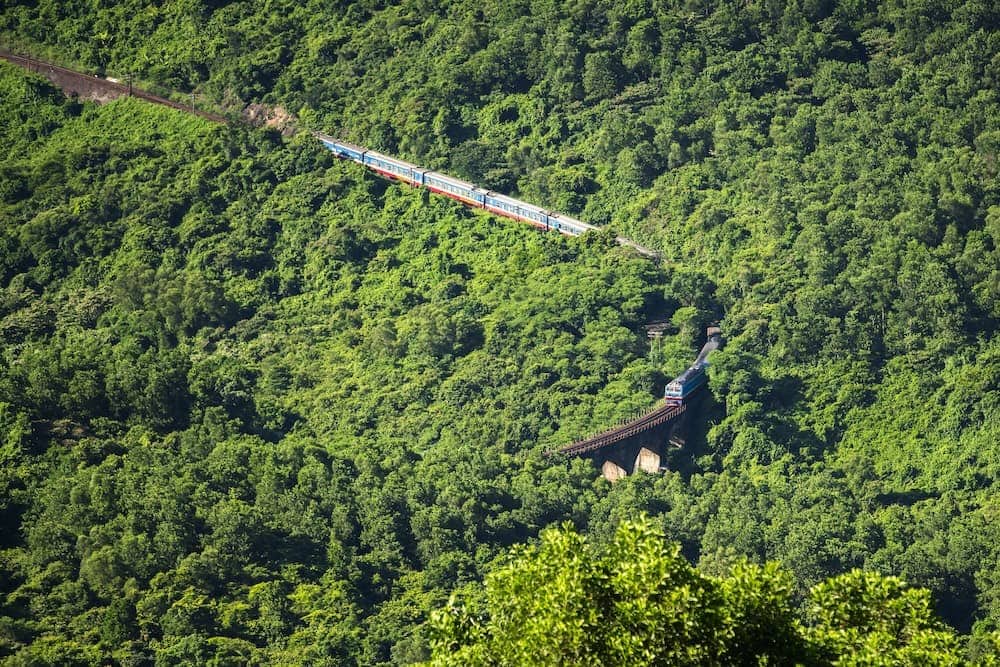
(822, 177)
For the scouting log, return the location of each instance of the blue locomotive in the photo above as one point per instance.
(696, 375)
(686, 383)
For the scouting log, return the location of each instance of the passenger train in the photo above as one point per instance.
(685, 384)
(463, 191)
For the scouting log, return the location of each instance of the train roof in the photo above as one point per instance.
(517, 202)
(451, 180)
(693, 370)
(567, 220)
(341, 142)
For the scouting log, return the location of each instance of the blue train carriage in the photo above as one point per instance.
(418, 176)
(517, 209)
(455, 188)
(342, 149)
(394, 168)
(696, 375)
(569, 226)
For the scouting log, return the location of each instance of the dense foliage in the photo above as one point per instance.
(822, 176)
(258, 405)
(637, 601)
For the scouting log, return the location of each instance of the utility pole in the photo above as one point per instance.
(654, 340)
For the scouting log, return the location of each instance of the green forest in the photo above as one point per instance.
(259, 406)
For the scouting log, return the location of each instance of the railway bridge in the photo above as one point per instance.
(637, 445)
(640, 444)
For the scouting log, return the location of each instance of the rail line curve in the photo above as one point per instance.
(658, 416)
(88, 81)
(72, 81)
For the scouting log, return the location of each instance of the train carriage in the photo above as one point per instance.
(343, 149)
(567, 225)
(686, 383)
(391, 167)
(696, 375)
(517, 209)
(454, 188)
(418, 176)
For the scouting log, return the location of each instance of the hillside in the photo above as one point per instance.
(257, 402)
(822, 178)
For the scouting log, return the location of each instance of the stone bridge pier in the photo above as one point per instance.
(645, 451)
(640, 444)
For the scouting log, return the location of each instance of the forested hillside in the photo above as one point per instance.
(280, 406)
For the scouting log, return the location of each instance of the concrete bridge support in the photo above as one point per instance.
(646, 452)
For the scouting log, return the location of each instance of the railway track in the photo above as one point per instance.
(651, 419)
(73, 82)
(85, 84)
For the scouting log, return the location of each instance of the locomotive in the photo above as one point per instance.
(463, 191)
(695, 376)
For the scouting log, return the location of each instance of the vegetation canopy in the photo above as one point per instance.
(258, 406)
(637, 601)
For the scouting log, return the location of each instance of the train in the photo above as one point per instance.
(696, 375)
(463, 191)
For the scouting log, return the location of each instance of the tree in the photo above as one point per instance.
(862, 618)
(636, 601)
(600, 75)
